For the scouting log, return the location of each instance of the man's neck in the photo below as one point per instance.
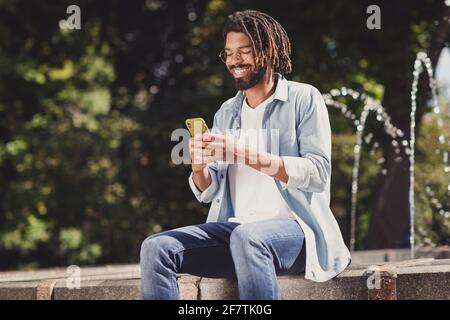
(261, 91)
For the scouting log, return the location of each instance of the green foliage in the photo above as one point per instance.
(431, 183)
(86, 116)
(341, 182)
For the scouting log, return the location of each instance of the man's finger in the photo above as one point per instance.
(208, 137)
(198, 144)
(209, 152)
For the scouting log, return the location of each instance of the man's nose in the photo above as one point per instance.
(236, 59)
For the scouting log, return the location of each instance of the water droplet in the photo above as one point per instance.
(334, 92)
(421, 55)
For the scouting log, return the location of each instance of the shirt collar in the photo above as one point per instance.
(281, 93)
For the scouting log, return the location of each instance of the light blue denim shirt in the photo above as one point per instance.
(299, 112)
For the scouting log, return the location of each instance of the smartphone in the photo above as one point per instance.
(196, 125)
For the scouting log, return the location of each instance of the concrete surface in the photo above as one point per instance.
(419, 279)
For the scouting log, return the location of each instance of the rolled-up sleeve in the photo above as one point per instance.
(311, 170)
(208, 194)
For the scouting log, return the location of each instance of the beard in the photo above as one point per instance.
(254, 77)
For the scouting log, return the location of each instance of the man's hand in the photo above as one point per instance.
(199, 151)
(225, 147)
(210, 147)
(229, 149)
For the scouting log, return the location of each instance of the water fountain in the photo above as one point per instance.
(423, 60)
(370, 104)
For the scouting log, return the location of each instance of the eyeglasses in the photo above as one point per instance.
(242, 53)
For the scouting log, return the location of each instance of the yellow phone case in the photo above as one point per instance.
(196, 125)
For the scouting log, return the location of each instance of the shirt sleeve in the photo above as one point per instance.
(311, 170)
(208, 194)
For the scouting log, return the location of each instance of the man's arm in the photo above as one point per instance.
(264, 162)
(210, 184)
(311, 169)
(202, 178)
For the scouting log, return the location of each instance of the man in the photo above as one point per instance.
(269, 211)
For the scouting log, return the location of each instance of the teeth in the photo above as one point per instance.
(239, 71)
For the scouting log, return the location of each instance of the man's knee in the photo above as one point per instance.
(157, 245)
(244, 236)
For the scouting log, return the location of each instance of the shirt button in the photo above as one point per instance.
(218, 200)
(221, 176)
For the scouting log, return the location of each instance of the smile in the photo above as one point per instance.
(239, 72)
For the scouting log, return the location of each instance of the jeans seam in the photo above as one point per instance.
(267, 262)
(271, 280)
(268, 265)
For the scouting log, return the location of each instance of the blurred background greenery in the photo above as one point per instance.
(86, 117)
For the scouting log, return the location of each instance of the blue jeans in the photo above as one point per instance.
(254, 253)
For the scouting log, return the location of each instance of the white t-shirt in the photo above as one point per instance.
(254, 195)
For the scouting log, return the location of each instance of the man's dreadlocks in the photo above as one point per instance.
(270, 41)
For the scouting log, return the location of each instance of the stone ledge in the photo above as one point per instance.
(392, 255)
(100, 290)
(120, 289)
(421, 282)
(18, 290)
(428, 279)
